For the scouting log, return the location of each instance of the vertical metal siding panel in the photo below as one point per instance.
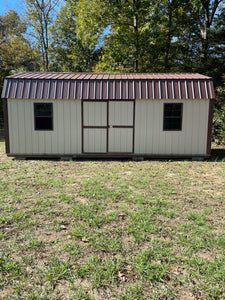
(97, 91)
(174, 138)
(135, 88)
(202, 127)
(156, 88)
(58, 91)
(117, 90)
(170, 89)
(150, 91)
(25, 89)
(203, 90)
(13, 126)
(196, 90)
(28, 126)
(182, 88)
(71, 90)
(123, 89)
(85, 89)
(60, 126)
(110, 91)
(74, 131)
(195, 129)
(51, 89)
(48, 142)
(105, 89)
(163, 89)
(20, 86)
(143, 89)
(204, 116)
(65, 89)
(38, 89)
(176, 89)
(35, 133)
(130, 89)
(67, 126)
(45, 89)
(157, 126)
(21, 126)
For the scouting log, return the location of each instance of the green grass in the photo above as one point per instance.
(112, 229)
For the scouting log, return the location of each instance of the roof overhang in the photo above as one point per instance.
(95, 86)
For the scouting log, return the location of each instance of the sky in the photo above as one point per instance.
(5, 5)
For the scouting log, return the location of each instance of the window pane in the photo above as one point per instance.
(172, 109)
(43, 116)
(172, 116)
(43, 109)
(43, 123)
(172, 124)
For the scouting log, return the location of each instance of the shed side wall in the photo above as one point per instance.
(64, 139)
(151, 139)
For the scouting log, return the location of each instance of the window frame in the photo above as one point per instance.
(35, 116)
(173, 117)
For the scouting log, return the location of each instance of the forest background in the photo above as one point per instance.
(118, 36)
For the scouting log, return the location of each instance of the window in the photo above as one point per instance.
(172, 116)
(43, 116)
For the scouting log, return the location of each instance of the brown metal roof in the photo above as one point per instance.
(102, 86)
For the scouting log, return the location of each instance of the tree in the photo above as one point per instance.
(67, 52)
(40, 13)
(16, 53)
(122, 25)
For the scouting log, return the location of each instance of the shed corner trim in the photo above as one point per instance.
(6, 125)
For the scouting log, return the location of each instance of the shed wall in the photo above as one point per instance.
(64, 139)
(151, 139)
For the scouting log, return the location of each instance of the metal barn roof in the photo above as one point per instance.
(97, 86)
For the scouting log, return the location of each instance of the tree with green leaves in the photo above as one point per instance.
(16, 53)
(41, 14)
(67, 52)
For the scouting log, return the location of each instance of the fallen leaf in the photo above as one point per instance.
(122, 216)
(85, 240)
(128, 268)
(121, 276)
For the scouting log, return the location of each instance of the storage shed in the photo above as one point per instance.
(108, 115)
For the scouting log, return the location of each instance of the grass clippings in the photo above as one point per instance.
(112, 229)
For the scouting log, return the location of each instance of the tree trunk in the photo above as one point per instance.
(168, 42)
(136, 37)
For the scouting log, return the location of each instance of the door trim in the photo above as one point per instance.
(107, 126)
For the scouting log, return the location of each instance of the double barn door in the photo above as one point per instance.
(107, 126)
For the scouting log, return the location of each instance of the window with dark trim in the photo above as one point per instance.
(172, 119)
(43, 116)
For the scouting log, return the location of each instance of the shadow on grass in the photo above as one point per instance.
(217, 154)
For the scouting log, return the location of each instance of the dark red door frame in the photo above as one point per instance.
(107, 127)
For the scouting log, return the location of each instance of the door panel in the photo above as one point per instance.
(120, 140)
(94, 113)
(95, 140)
(121, 113)
(108, 126)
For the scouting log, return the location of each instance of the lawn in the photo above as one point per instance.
(112, 229)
